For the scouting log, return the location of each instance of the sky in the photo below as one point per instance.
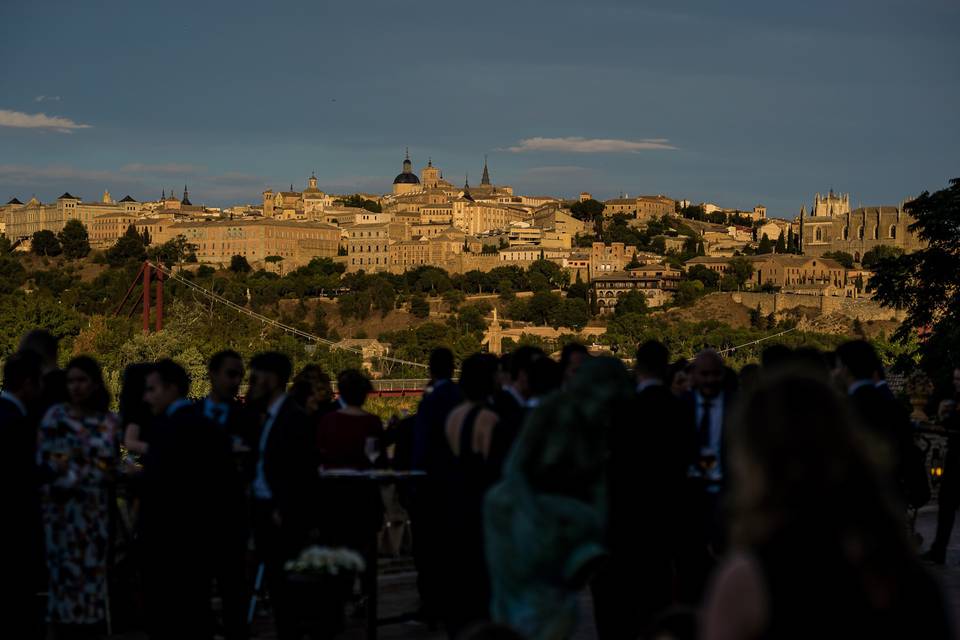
(736, 103)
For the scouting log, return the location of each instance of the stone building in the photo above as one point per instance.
(606, 258)
(368, 247)
(655, 207)
(22, 221)
(783, 271)
(406, 181)
(657, 282)
(297, 243)
(833, 226)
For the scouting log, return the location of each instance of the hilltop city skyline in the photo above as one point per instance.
(749, 103)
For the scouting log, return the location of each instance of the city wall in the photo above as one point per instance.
(862, 308)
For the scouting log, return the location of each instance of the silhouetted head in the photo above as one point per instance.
(166, 383)
(441, 364)
(571, 357)
(653, 359)
(856, 360)
(478, 377)
(85, 386)
(226, 375)
(354, 387)
(269, 374)
(44, 344)
(23, 376)
(707, 373)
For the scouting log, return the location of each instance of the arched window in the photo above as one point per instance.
(846, 233)
(876, 232)
(860, 232)
(818, 235)
(893, 231)
(856, 257)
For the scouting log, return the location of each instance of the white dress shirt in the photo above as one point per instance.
(261, 490)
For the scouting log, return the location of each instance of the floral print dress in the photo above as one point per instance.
(80, 453)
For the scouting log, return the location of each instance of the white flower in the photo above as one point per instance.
(326, 560)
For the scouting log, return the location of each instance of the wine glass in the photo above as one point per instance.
(371, 448)
(708, 459)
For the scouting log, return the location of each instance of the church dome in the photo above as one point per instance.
(406, 178)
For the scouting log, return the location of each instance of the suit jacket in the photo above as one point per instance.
(512, 415)
(431, 419)
(886, 420)
(690, 402)
(20, 494)
(290, 466)
(649, 457)
(189, 483)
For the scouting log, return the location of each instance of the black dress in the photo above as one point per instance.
(466, 479)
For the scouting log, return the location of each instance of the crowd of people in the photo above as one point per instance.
(689, 499)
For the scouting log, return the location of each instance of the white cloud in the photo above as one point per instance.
(19, 120)
(47, 99)
(590, 145)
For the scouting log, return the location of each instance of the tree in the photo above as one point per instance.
(277, 260)
(419, 306)
(542, 307)
(740, 270)
(708, 277)
(781, 246)
(926, 283)
(635, 261)
(5, 245)
(45, 243)
(765, 246)
(845, 259)
(688, 291)
(239, 264)
(633, 301)
(791, 241)
(128, 248)
(880, 252)
(587, 210)
(74, 240)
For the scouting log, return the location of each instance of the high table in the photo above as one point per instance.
(380, 477)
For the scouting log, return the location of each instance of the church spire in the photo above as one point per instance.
(486, 174)
(186, 196)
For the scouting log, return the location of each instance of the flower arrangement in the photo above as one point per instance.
(316, 560)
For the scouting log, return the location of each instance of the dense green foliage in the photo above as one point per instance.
(74, 240)
(926, 283)
(843, 257)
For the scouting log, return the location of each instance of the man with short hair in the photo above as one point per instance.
(22, 533)
(702, 534)
(429, 445)
(220, 406)
(856, 369)
(649, 452)
(284, 482)
(510, 403)
(186, 483)
(47, 346)
(949, 497)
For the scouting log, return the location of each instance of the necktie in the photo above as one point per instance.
(704, 433)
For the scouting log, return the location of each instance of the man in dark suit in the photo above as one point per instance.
(238, 427)
(186, 487)
(284, 482)
(511, 403)
(22, 535)
(439, 399)
(646, 475)
(47, 346)
(856, 369)
(949, 498)
(709, 403)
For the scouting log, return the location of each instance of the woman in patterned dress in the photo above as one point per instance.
(79, 452)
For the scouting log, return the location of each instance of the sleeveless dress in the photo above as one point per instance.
(467, 477)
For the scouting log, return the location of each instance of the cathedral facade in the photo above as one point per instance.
(833, 226)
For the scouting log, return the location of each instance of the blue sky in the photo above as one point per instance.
(731, 102)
